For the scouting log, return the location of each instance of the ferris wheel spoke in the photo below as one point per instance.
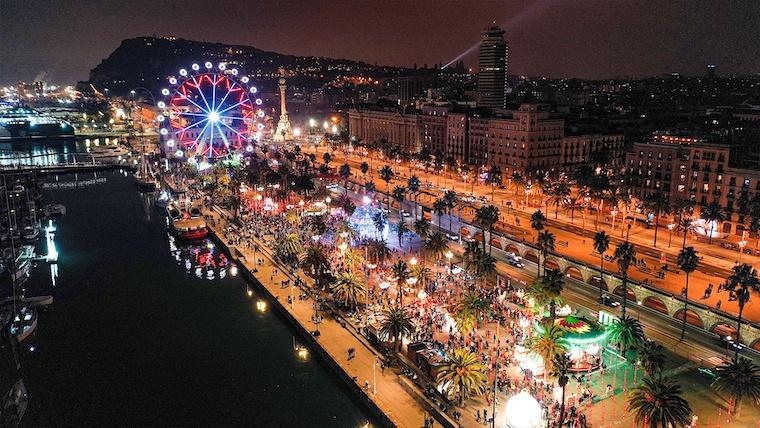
(185, 97)
(193, 125)
(229, 91)
(201, 133)
(235, 131)
(224, 137)
(203, 96)
(233, 106)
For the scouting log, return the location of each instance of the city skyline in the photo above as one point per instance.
(553, 39)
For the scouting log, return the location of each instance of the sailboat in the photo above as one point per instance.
(145, 177)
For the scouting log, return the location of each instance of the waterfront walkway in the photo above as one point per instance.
(388, 394)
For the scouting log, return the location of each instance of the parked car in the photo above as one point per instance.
(607, 300)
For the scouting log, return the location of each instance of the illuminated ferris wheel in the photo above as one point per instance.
(209, 112)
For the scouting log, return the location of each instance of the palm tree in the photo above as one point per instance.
(289, 247)
(625, 256)
(553, 283)
(379, 220)
(345, 171)
(518, 182)
(364, 168)
(475, 304)
(462, 374)
(657, 403)
(423, 275)
(712, 214)
(657, 204)
(494, 178)
(395, 322)
(688, 261)
(399, 194)
(742, 283)
(485, 218)
(413, 186)
(439, 208)
(315, 262)
(465, 321)
(348, 289)
(422, 228)
(538, 221)
(386, 174)
(740, 379)
(548, 343)
(572, 203)
(450, 197)
(437, 244)
(400, 271)
(560, 196)
(601, 245)
(545, 244)
(626, 332)
(685, 225)
(652, 357)
(379, 250)
(401, 230)
(560, 370)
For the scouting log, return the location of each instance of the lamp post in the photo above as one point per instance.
(585, 208)
(670, 228)
(742, 244)
(449, 256)
(614, 214)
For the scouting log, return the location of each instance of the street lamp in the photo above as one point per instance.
(614, 214)
(670, 228)
(413, 261)
(742, 244)
(449, 255)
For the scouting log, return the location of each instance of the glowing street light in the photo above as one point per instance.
(670, 228)
(261, 306)
(413, 261)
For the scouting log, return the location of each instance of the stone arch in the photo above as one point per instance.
(756, 345)
(464, 231)
(512, 248)
(531, 254)
(721, 328)
(655, 303)
(496, 243)
(575, 273)
(692, 318)
(619, 292)
(598, 282)
(551, 263)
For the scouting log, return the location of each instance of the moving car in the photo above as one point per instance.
(515, 260)
(607, 300)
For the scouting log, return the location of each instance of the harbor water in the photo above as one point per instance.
(146, 331)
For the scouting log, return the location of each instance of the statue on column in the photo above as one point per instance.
(284, 131)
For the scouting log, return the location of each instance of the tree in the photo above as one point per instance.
(688, 261)
(742, 283)
(485, 218)
(450, 197)
(553, 283)
(364, 168)
(545, 244)
(401, 230)
(348, 289)
(413, 186)
(345, 171)
(657, 204)
(386, 174)
(315, 262)
(475, 304)
(601, 245)
(395, 323)
(288, 248)
(740, 379)
(494, 178)
(537, 221)
(422, 228)
(378, 249)
(652, 357)
(518, 182)
(400, 271)
(548, 343)
(712, 214)
(626, 332)
(657, 403)
(439, 208)
(463, 374)
(560, 370)
(399, 194)
(625, 256)
(423, 275)
(560, 196)
(327, 158)
(380, 221)
(437, 244)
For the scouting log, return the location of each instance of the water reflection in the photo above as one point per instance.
(201, 259)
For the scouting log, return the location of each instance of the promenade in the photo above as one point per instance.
(385, 389)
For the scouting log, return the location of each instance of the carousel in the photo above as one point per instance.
(584, 337)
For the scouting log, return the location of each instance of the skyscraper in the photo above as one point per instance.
(711, 71)
(492, 69)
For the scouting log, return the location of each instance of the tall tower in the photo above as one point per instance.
(492, 69)
(284, 131)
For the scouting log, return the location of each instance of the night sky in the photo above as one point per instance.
(572, 38)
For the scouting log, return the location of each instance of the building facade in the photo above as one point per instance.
(492, 69)
(402, 130)
(698, 171)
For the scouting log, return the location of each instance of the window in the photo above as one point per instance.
(705, 187)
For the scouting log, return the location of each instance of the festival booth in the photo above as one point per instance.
(585, 339)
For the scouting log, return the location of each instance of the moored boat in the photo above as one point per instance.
(189, 224)
(51, 210)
